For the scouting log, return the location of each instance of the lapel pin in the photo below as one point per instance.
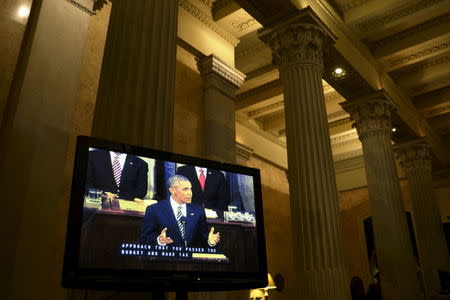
(192, 214)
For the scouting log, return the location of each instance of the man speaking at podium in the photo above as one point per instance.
(177, 221)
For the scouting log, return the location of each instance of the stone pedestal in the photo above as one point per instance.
(415, 159)
(399, 274)
(298, 46)
(220, 83)
(137, 83)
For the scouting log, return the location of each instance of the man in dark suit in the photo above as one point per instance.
(117, 174)
(209, 187)
(177, 221)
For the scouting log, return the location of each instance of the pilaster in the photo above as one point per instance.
(220, 82)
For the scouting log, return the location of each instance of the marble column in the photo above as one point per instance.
(220, 83)
(415, 159)
(399, 277)
(137, 82)
(298, 46)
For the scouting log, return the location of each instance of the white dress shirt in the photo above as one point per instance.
(205, 171)
(122, 158)
(175, 205)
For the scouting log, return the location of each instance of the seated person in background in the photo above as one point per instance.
(117, 174)
(209, 187)
(177, 221)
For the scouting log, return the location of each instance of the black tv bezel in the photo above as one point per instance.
(153, 280)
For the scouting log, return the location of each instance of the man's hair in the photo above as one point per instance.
(174, 180)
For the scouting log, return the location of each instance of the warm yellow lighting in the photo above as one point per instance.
(394, 129)
(338, 71)
(257, 293)
(23, 11)
(270, 283)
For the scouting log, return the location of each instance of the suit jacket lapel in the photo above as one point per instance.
(108, 166)
(190, 222)
(126, 168)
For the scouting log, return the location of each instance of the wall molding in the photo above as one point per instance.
(419, 66)
(208, 21)
(84, 8)
(279, 104)
(403, 11)
(441, 20)
(405, 58)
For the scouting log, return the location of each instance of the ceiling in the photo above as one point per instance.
(407, 42)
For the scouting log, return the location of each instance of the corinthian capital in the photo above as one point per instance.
(298, 43)
(302, 39)
(414, 155)
(372, 114)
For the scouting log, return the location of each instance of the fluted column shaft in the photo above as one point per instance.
(137, 83)
(415, 159)
(318, 253)
(399, 278)
(220, 83)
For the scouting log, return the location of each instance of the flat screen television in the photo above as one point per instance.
(142, 219)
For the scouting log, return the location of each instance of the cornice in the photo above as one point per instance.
(244, 25)
(275, 116)
(243, 152)
(405, 58)
(348, 161)
(208, 21)
(337, 115)
(213, 64)
(419, 66)
(441, 20)
(339, 122)
(89, 11)
(344, 138)
(279, 104)
(259, 89)
(403, 11)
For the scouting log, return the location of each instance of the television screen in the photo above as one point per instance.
(142, 219)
